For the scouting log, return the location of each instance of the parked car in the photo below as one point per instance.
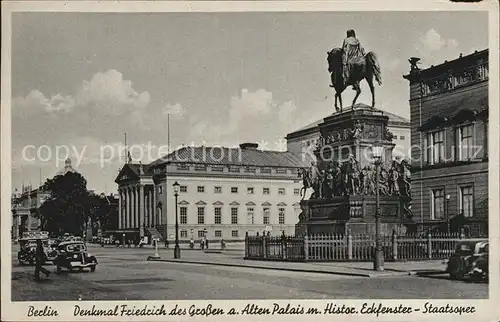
(73, 255)
(470, 260)
(27, 251)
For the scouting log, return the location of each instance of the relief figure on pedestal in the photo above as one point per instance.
(315, 174)
(357, 130)
(306, 182)
(394, 178)
(404, 178)
(383, 183)
(351, 181)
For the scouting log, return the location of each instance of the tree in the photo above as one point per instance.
(103, 211)
(67, 208)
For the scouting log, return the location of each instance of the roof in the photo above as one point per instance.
(231, 156)
(457, 63)
(393, 118)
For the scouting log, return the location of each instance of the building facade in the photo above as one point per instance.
(303, 141)
(449, 135)
(224, 193)
(24, 207)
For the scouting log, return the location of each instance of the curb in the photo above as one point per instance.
(283, 269)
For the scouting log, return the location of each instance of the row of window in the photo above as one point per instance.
(234, 190)
(233, 169)
(466, 202)
(201, 233)
(466, 149)
(234, 215)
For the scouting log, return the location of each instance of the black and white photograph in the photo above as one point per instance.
(167, 157)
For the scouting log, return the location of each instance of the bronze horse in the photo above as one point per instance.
(365, 67)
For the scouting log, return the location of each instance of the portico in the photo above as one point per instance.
(138, 212)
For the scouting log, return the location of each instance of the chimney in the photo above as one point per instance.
(249, 146)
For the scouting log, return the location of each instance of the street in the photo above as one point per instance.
(125, 274)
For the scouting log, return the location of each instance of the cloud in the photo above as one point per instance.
(38, 101)
(111, 92)
(105, 91)
(250, 117)
(175, 110)
(433, 48)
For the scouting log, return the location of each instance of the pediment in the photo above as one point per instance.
(234, 203)
(201, 203)
(183, 203)
(250, 203)
(281, 204)
(126, 174)
(465, 115)
(434, 122)
(266, 204)
(296, 204)
(218, 203)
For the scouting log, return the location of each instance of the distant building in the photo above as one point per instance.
(303, 141)
(449, 126)
(25, 206)
(224, 193)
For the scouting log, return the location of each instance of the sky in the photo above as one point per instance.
(82, 80)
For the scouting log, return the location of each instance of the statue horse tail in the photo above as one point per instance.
(372, 61)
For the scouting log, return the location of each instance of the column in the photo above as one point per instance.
(151, 208)
(127, 215)
(136, 213)
(141, 210)
(155, 207)
(132, 206)
(120, 213)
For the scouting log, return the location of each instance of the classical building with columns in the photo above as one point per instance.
(224, 193)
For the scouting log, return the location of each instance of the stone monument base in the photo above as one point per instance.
(355, 214)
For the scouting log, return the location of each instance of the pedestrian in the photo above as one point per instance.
(40, 260)
(166, 242)
(206, 243)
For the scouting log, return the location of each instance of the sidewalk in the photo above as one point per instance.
(360, 269)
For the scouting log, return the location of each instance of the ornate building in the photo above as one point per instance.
(304, 140)
(224, 192)
(449, 126)
(24, 207)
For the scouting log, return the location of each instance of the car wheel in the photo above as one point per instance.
(92, 269)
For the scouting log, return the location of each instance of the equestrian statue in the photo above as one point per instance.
(349, 65)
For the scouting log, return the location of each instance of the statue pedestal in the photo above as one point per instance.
(355, 213)
(344, 179)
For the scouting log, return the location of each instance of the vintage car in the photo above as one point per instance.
(470, 260)
(51, 250)
(27, 251)
(73, 255)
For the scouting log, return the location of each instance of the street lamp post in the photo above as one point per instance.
(378, 261)
(177, 249)
(448, 213)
